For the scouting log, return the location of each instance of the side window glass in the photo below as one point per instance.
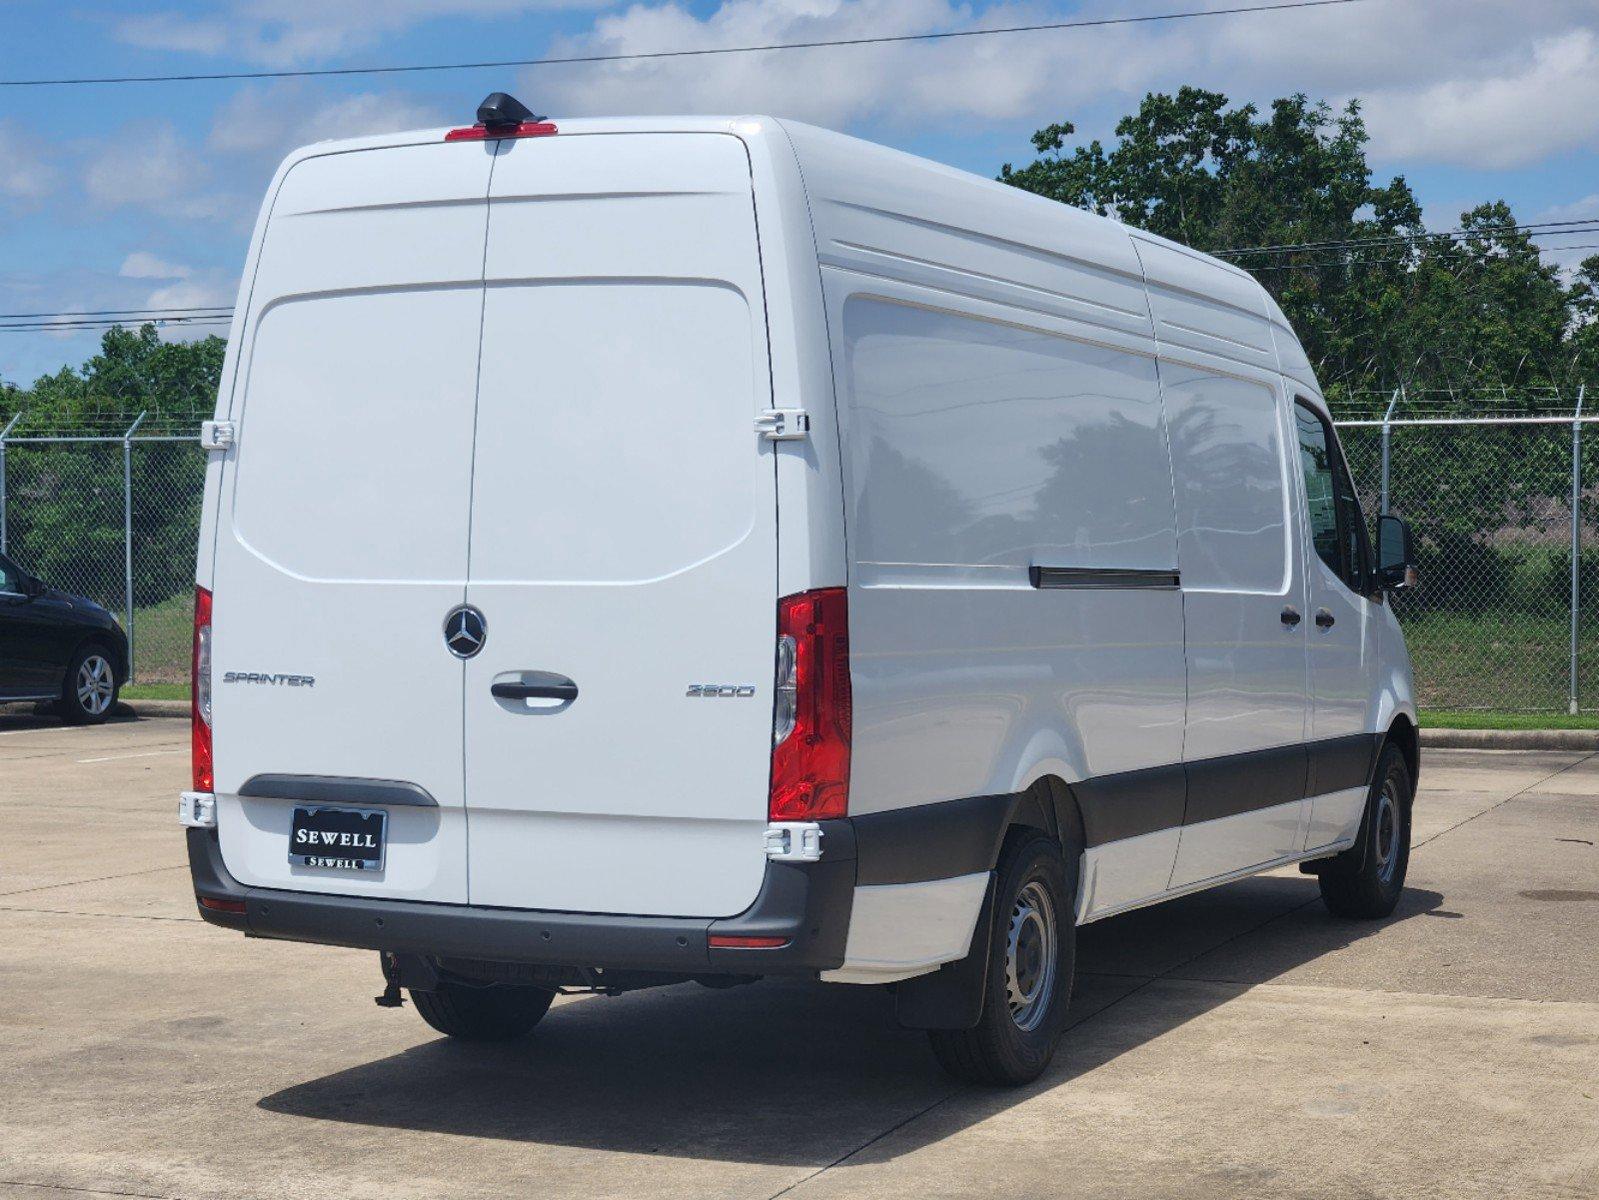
(10, 577)
(1315, 459)
(1351, 524)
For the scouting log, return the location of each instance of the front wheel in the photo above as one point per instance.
(1028, 984)
(89, 692)
(1365, 881)
(494, 1013)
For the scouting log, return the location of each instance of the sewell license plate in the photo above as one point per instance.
(339, 839)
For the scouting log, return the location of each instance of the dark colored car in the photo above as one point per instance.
(58, 648)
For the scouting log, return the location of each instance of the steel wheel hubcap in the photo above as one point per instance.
(95, 685)
(1386, 832)
(1030, 952)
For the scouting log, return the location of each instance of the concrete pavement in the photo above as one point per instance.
(1238, 1042)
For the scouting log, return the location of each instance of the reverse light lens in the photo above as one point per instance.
(200, 693)
(812, 709)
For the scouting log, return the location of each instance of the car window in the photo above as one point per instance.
(1337, 528)
(10, 576)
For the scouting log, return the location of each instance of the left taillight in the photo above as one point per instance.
(200, 695)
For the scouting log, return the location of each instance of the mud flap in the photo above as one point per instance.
(952, 996)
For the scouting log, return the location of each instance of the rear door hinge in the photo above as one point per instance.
(216, 435)
(784, 424)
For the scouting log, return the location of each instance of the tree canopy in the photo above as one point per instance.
(1378, 300)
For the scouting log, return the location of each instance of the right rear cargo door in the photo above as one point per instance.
(343, 519)
(624, 539)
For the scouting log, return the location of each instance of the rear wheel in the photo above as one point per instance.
(1365, 881)
(89, 692)
(496, 1013)
(1028, 984)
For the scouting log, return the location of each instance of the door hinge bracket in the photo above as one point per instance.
(784, 424)
(217, 435)
(794, 841)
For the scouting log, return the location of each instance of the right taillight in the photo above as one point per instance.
(812, 708)
(200, 695)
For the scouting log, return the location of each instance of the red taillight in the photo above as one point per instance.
(483, 133)
(811, 733)
(200, 694)
(215, 905)
(722, 941)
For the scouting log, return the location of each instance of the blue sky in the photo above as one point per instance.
(143, 195)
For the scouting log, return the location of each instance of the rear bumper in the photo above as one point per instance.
(806, 903)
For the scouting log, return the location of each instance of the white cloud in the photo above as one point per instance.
(25, 174)
(267, 122)
(141, 264)
(284, 33)
(1547, 103)
(1474, 83)
(150, 166)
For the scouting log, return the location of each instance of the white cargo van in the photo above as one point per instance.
(638, 551)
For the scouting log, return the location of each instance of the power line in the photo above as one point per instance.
(583, 59)
(1548, 228)
(116, 312)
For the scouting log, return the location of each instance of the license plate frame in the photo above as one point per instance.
(353, 830)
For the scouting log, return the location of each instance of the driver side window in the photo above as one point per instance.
(1337, 528)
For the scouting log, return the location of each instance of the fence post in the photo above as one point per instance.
(10, 425)
(1576, 535)
(1387, 430)
(127, 533)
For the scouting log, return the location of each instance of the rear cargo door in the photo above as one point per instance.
(342, 539)
(623, 545)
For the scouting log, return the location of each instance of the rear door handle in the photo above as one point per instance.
(1291, 617)
(1325, 619)
(535, 691)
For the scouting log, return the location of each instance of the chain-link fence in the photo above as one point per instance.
(113, 516)
(1501, 493)
(1506, 617)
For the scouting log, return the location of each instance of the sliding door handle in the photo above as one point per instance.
(1290, 616)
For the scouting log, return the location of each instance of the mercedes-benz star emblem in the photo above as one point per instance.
(464, 631)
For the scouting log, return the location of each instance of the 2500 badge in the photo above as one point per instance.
(721, 691)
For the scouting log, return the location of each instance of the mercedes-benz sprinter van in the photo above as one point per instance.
(648, 550)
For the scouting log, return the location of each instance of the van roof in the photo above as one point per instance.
(877, 170)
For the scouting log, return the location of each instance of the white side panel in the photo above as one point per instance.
(898, 930)
(1335, 817)
(1126, 871)
(1211, 849)
(980, 441)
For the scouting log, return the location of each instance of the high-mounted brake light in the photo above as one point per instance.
(483, 133)
(812, 712)
(200, 695)
(502, 116)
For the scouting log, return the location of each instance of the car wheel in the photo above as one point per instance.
(1028, 984)
(492, 1013)
(89, 692)
(1365, 881)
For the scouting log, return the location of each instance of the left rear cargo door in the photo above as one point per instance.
(342, 538)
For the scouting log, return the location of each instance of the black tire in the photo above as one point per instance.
(91, 687)
(1365, 881)
(1012, 1044)
(496, 1013)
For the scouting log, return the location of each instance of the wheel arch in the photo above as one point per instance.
(1402, 733)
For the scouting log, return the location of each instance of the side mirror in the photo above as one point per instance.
(1396, 554)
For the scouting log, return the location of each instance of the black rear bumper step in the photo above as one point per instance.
(806, 903)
